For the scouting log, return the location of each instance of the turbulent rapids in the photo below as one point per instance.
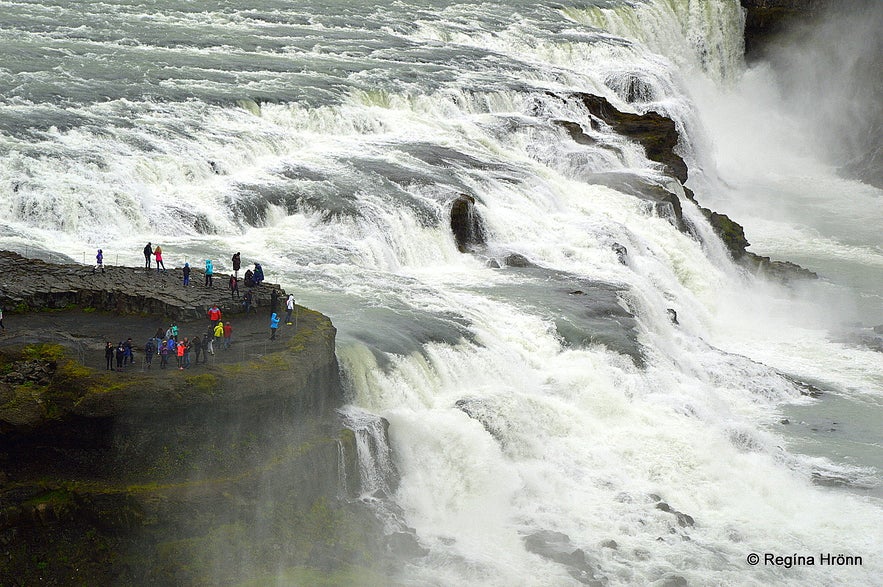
(581, 383)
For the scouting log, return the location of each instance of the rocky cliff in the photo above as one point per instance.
(236, 469)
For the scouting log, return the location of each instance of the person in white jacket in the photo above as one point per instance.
(289, 304)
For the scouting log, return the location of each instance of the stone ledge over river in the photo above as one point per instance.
(235, 471)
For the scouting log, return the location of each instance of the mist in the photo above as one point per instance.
(830, 74)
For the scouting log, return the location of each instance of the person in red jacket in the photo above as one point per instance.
(214, 314)
(228, 334)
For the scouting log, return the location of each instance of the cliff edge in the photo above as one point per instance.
(233, 470)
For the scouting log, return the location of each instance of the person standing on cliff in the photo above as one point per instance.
(108, 356)
(209, 271)
(274, 326)
(246, 301)
(179, 351)
(228, 335)
(214, 314)
(157, 252)
(163, 354)
(187, 348)
(147, 253)
(289, 308)
(237, 263)
(209, 342)
(234, 287)
(120, 354)
(274, 301)
(149, 351)
(99, 262)
(186, 272)
(128, 357)
(197, 348)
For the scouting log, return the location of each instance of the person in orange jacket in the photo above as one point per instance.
(180, 352)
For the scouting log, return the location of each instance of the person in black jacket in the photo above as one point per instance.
(274, 301)
(148, 251)
(108, 356)
(237, 263)
(186, 272)
(120, 354)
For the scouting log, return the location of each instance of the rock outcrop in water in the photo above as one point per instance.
(234, 470)
(655, 132)
(659, 137)
(466, 224)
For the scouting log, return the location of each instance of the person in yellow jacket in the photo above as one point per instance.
(219, 330)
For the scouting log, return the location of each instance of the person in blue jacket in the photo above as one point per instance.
(209, 270)
(99, 261)
(274, 326)
(186, 272)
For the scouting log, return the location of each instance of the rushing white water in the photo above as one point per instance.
(513, 408)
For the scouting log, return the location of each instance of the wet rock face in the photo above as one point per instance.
(655, 132)
(466, 224)
(730, 232)
(165, 470)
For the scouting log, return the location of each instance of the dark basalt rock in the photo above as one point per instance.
(576, 132)
(673, 315)
(622, 253)
(731, 233)
(780, 270)
(556, 546)
(517, 260)
(683, 519)
(655, 132)
(466, 224)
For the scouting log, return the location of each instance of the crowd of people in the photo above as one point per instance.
(252, 278)
(166, 345)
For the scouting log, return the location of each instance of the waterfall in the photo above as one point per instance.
(377, 473)
(588, 387)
